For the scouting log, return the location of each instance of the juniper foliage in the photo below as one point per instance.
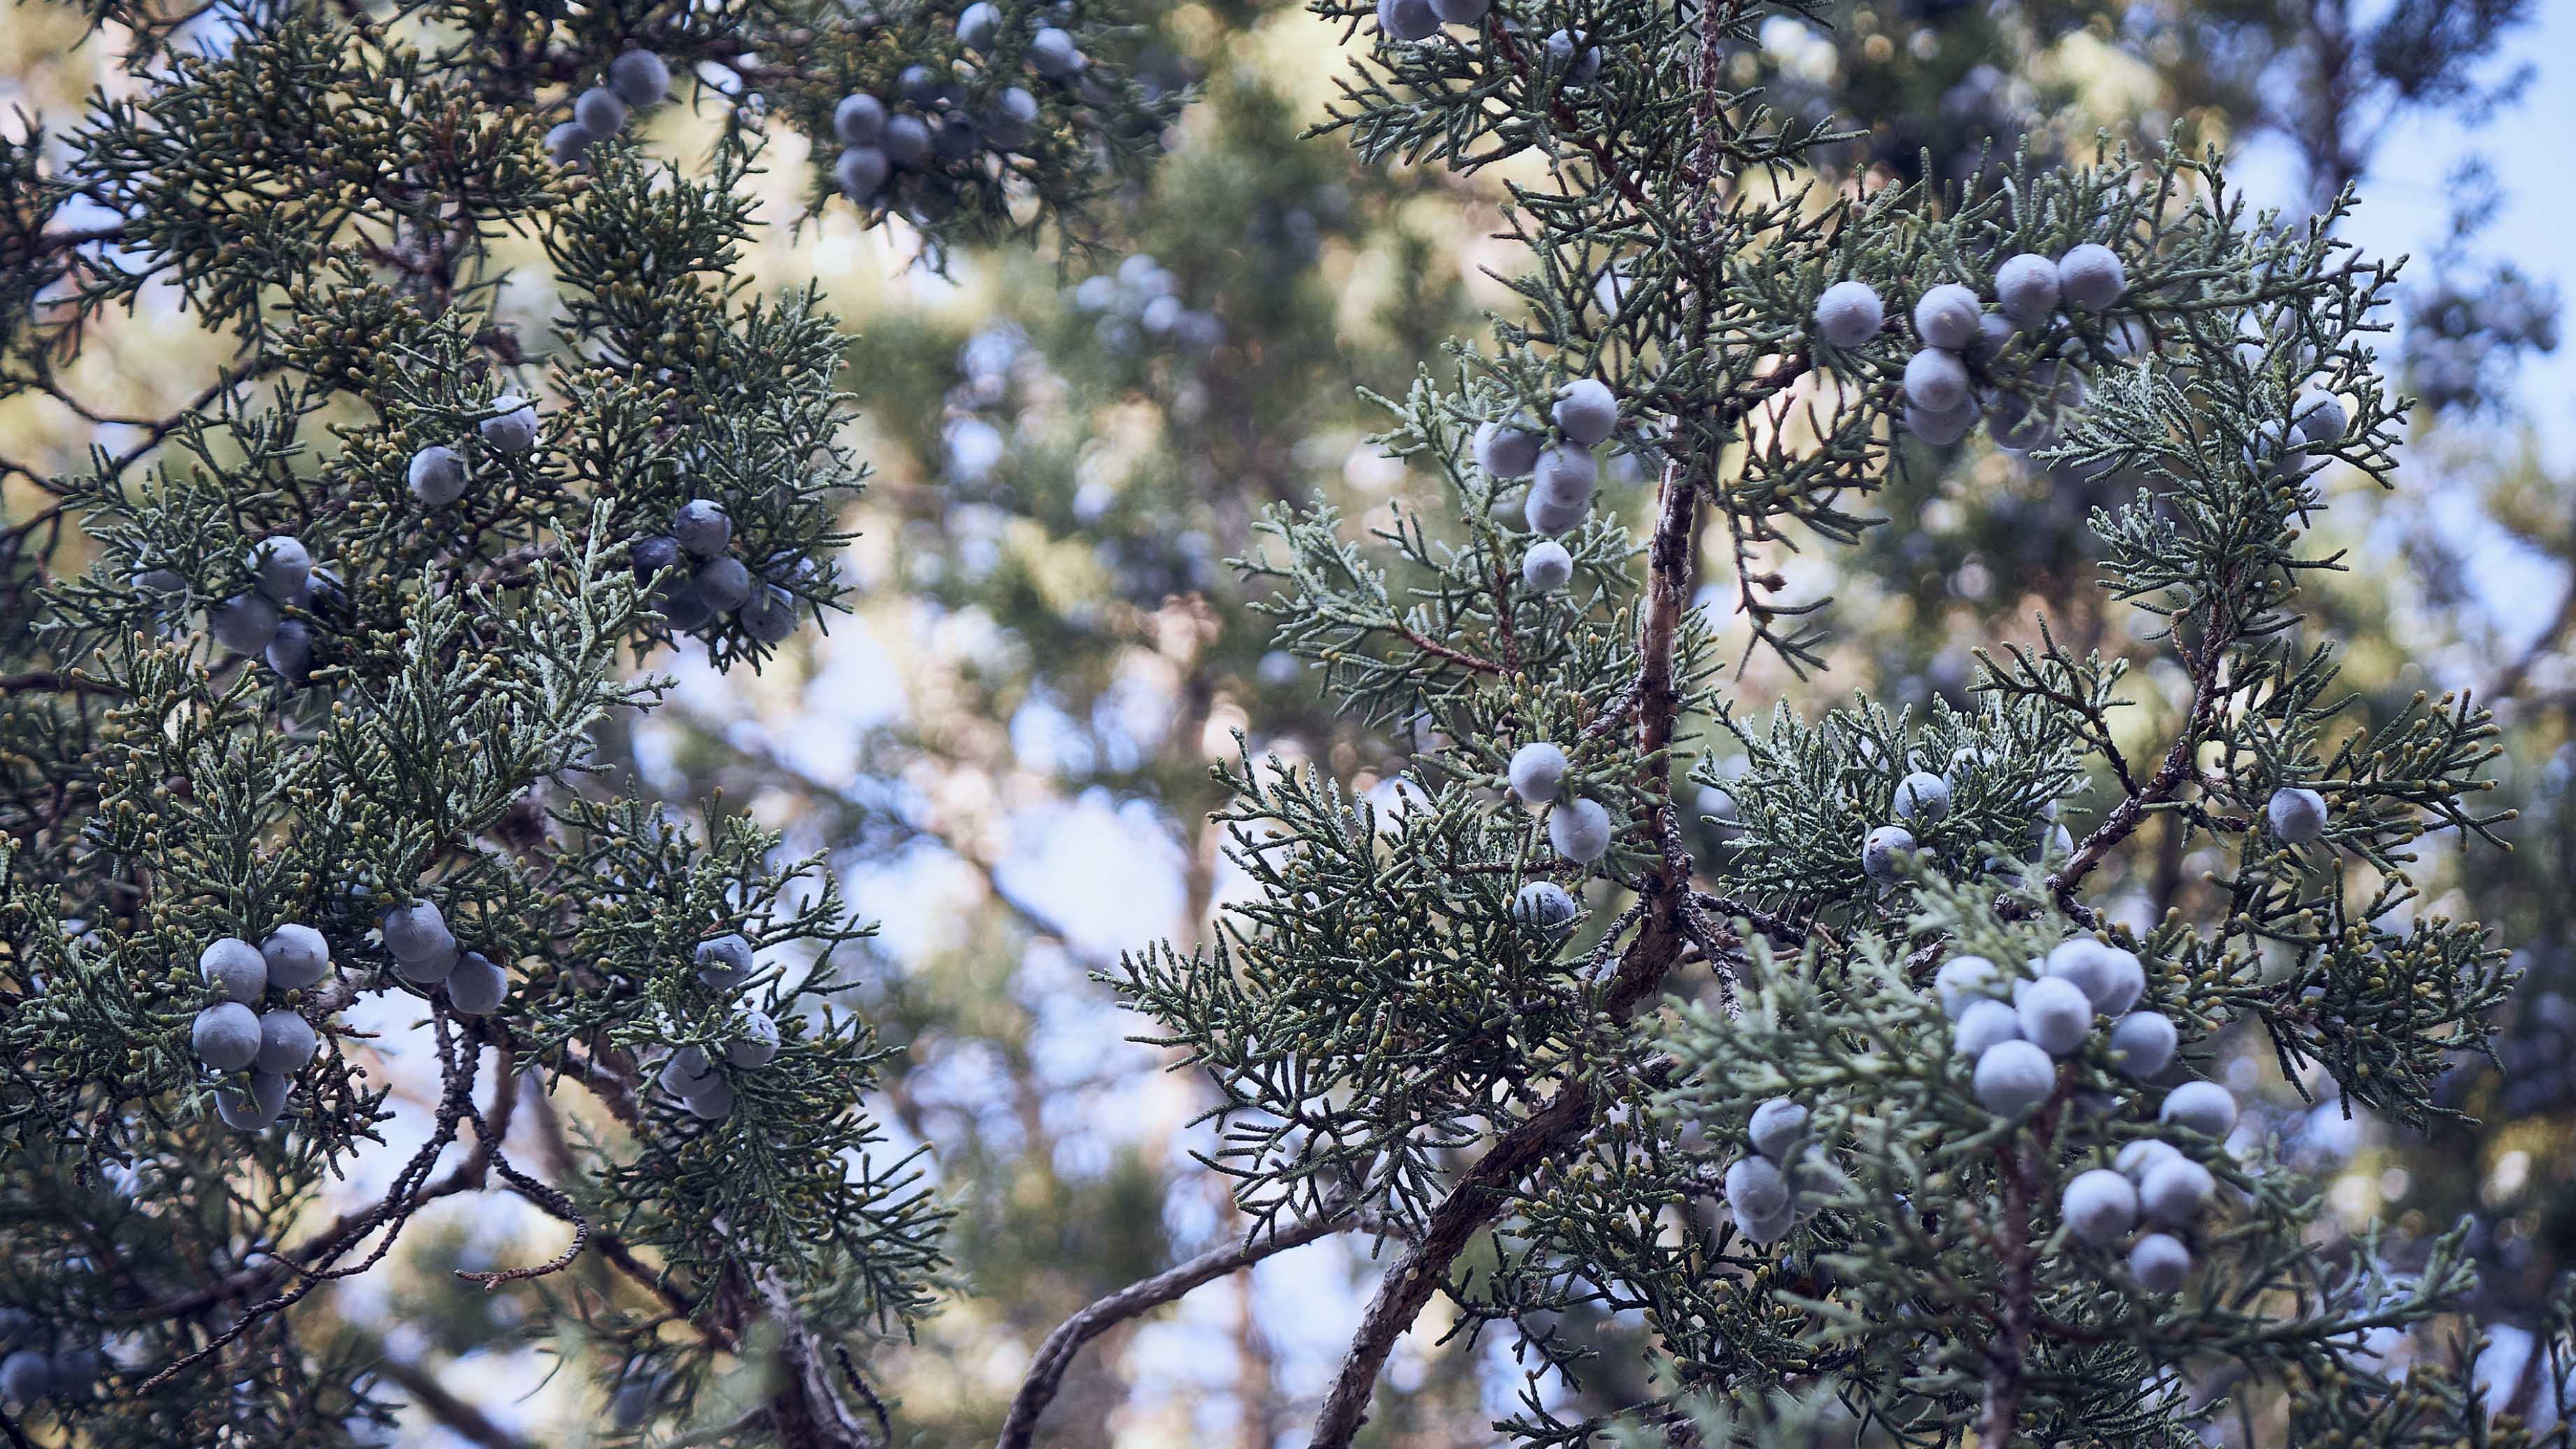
(1539, 1130)
(199, 749)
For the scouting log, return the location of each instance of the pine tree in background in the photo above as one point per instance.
(305, 676)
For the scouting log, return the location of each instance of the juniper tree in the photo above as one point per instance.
(2039, 1220)
(306, 676)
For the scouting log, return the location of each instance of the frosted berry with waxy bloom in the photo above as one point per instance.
(2142, 1043)
(2018, 427)
(1586, 411)
(255, 1110)
(920, 85)
(1536, 771)
(1055, 56)
(429, 970)
(724, 963)
(1548, 511)
(2205, 1107)
(724, 583)
(76, 1372)
(703, 527)
(1462, 12)
(651, 556)
(1566, 474)
(2013, 1077)
(2141, 1156)
(290, 651)
(1013, 118)
(1545, 906)
(512, 428)
(2274, 454)
(769, 615)
(1941, 429)
(234, 967)
(1579, 63)
(1984, 1026)
(436, 476)
(1580, 830)
(417, 932)
(2128, 982)
(2026, 287)
(296, 956)
(756, 1043)
(286, 1042)
(1946, 317)
(1756, 1185)
(640, 78)
(978, 24)
(476, 986)
(1777, 1128)
(687, 1072)
(1936, 382)
(685, 609)
(1546, 567)
(2100, 1207)
(2091, 277)
(225, 1036)
(956, 138)
(859, 120)
(2159, 1262)
(1759, 1229)
(2296, 814)
(26, 1377)
(280, 566)
(2110, 978)
(244, 623)
(160, 581)
(1884, 851)
(1849, 314)
(2319, 418)
(711, 1103)
(566, 143)
(1995, 334)
(2174, 1191)
(1506, 451)
(861, 173)
(1922, 797)
(2055, 1014)
(600, 112)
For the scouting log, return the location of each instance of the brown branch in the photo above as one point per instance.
(2012, 1245)
(455, 1414)
(606, 1244)
(2177, 768)
(805, 1410)
(224, 383)
(1663, 914)
(613, 1089)
(1667, 919)
(63, 682)
(1459, 657)
(2004, 1353)
(393, 1213)
(1055, 1355)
